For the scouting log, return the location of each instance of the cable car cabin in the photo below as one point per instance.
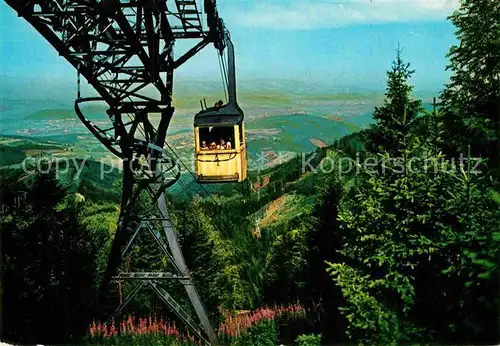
(216, 164)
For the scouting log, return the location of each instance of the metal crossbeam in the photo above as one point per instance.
(177, 308)
(166, 240)
(126, 301)
(125, 51)
(149, 276)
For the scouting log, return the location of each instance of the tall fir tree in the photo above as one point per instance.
(398, 112)
(471, 100)
(49, 263)
(413, 237)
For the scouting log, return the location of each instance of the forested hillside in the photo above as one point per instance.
(390, 236)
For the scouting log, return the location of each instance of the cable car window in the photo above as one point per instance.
(241, 133)
(216, 137)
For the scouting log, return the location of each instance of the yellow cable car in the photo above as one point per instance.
(216, 164)
(217, 127)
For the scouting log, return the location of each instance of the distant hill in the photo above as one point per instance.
(19, 88)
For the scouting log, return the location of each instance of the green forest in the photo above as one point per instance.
(389, 236)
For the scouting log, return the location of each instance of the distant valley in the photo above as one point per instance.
(282, 117)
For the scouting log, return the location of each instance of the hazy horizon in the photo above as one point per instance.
(16, 88)
(346, 45)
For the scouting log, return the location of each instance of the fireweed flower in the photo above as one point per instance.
(234, 325)
(141, 327)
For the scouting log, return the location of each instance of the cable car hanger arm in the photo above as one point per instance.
(231, 68)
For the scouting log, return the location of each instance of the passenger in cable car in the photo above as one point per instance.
(218, 105)
(228, 145)
(222, 144)
(204, 145)
(213, 146)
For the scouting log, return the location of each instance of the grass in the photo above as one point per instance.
(279, 213)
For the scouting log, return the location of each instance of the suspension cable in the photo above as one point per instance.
(181, 183)
(192, 174)
(186, 167)
(186, 191)
(222, 74)
(184, 188)
(180, 160)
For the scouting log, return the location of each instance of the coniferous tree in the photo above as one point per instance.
(322, 296)
(49, 265)
(472, 99)
(398, 112)
(413, 237)
(430, 128)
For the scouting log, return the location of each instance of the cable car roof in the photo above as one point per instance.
(226, 115)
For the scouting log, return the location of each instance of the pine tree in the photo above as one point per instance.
(50, 264)
(472, 99)
(412, 238)
(398, 111)
(432, 128)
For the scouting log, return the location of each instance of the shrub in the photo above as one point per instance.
(309, 340)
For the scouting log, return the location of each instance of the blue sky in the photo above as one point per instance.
(348, 43)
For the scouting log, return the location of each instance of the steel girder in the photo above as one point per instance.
(125, 51)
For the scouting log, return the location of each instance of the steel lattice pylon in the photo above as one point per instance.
(124, 49)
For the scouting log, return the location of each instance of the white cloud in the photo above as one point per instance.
(314, 14)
